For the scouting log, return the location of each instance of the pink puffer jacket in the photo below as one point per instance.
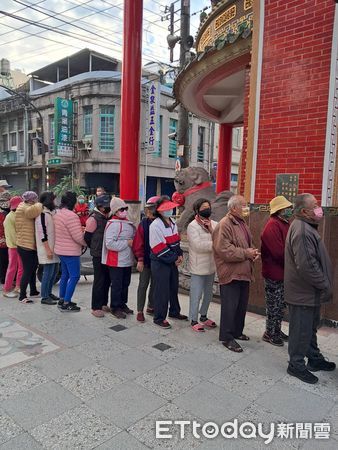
(68, 233)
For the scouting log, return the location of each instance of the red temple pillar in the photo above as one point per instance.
(223, 178)
(131, 100)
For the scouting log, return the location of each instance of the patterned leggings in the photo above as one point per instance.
(275, 305)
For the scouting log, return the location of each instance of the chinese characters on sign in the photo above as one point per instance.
(225, 22)
(153, 117)
(63, 125)
(287, 185)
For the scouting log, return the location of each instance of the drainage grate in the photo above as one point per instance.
(118, 328)
(162, 347)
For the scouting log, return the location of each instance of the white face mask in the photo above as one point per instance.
(168, 213)
(122, 214)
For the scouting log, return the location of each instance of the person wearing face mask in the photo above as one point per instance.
(273, 248)
(202, 264)
(117, 254)
(68, 247)
(308, 283)
(45, 238)
(82, 210)
(166, 255)
(141, 250)
(4, 210)
(93, 236)
(25, 216)
(15, 268)
(234, 256)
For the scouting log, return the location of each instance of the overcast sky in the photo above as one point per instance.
(95, 24)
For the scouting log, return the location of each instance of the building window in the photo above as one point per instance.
(12, 125)
(5, 142)
(200, 147)
(20, 123)
(13, 140)
(87, 120)
(234, 177)
(21, 141)
(107, 128)
(236, 137)
(172, 142)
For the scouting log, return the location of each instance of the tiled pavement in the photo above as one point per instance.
(72, 381)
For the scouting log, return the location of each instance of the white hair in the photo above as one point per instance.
(234, 201)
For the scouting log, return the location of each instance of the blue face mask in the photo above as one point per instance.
(168, 213)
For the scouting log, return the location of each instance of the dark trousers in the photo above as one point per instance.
(234, 302)
(120, 280)
(101, 284)
(275, 306)
(144, 281)
(165, 279)
(30, 263)
(3, 264)
(303, 325)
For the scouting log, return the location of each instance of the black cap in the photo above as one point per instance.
(102, 201)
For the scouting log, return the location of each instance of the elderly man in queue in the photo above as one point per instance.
(308, 283)
(234, 256)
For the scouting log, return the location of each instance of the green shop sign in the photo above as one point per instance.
(63, 125)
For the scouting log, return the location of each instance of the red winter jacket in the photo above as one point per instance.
(82, 211)
(273, 248)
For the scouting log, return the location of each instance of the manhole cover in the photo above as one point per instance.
(162, 347)
(118, 328)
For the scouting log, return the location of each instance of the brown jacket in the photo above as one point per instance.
(25, 224)
(230, 247)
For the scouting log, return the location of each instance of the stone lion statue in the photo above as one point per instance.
(191, 184)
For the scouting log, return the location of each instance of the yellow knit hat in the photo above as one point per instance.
(278, 203)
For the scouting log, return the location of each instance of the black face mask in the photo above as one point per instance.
(206, 213)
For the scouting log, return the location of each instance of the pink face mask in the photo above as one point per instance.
(122, 214)
(318, 212)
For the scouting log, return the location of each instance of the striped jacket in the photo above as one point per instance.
(115, 250)
(164, 241)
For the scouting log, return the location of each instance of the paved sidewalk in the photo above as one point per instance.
(74, 381)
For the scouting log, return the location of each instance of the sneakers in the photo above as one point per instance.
(150, 311)
(10, 294)
(284, 336)
(164, 324)
(60, 302)
(97, 313)
(48, 301)
(35, 294)
(322, 364)
(105, 308)
(274, 340)
(127, 310)
(303, 375)
(118, 313)
(54, 297)
(70, 307)
(140, 317)
(179, 317)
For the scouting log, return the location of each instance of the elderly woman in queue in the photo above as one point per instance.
(202, 264)
(68, 247)
(166, 256)
(117, 254)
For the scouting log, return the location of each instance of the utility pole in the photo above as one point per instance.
(183, 115)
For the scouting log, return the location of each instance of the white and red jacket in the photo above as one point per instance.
(115, 250)
(164, 241)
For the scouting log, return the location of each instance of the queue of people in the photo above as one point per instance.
(296, 267)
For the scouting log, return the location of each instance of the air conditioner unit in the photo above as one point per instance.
(87, 143)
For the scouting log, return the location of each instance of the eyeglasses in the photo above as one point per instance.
(124, 209)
